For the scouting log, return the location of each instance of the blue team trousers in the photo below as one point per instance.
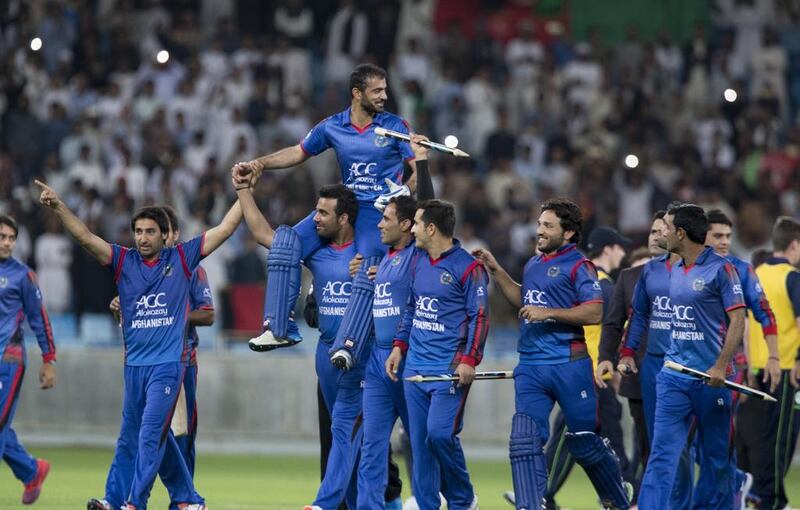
(678, 400)
(368, 237)
(185, 442)
(22, 464)
(343, 396)
(681, 498)
(383, 404)
(151, 393)
(435, 418)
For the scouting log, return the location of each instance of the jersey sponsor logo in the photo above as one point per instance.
(480, 291)
(662, 304)
(207, 292)
(737, 289)
(698, 284)
(535, 297)
(596, 286)
(553, 271)
(759, 288)
(152, 301)
(683, 313)
(383, 290)
(381, 141)
(3, 282)
(359, 170)
(428, 304)
(338, 288)
(446, 279)
(584, 395)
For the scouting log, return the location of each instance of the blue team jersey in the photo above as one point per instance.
(330, 267)
(701, 296)
(154, 301)
(199, 299)
(447, 317)
(392, 292)
(564, 279)
(754, 296)
(652, 310)
(20, 298)
(365, 159)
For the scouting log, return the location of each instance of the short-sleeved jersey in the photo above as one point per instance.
(652, 310)
(154, 301)
(330, 267)
(20, 298)
(701, 296)
(200, 298)
(754, 297)
(392, 292)
(564, 279)
(447, 318)
(365, 159)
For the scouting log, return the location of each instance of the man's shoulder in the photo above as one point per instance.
(389, 119)
(15, 268)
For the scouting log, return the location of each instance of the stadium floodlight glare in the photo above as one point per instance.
(451, 141)
(162, 57)
(631, 161)
(36, 44)
(730, 95)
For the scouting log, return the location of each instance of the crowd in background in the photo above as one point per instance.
(90, 109)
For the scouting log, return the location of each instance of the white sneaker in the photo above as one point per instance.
(744, 490)
(312, 507)
(192, 506)
(510, 497)
(474, 505)
(266, 341)
(411, 504)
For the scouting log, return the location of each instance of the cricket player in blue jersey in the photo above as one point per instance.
(708, 314)
(651, 319)
(201, 314)
(443, 330)
(384, 400)
(560, 294)
(154, 285)
(337, 210)
(20, 298)
(372, 166)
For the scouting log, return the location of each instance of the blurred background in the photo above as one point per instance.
(621, 105)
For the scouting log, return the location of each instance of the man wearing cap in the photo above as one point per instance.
(606, 249)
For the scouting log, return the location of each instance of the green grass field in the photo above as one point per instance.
(231, 482)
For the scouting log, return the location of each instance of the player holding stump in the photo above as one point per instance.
(154, 283)
(372, 166)
(559, 295)
(444, 328)
(707, 326)
(19, 298)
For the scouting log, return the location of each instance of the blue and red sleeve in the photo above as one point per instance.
(730, 287)
(200, 296)
(584, 280)
(37, 316)
(640, 317)
(316, 141)
(191, 253)
(475, 283)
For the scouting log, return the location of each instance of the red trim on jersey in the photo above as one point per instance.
(591, 301)
(401, 344)
(557, 253)
(772, 329)
(13, 393)
(303, 148)
(360, 130)
(168, 421)
(206, 307)
(469, 269)
(460, 413)
(734, 307)
(183, 261)
(118, 270)
(627, 351)
(48, 333)
(340, 247)
(150, 263)
(410, 158)
(578, 265)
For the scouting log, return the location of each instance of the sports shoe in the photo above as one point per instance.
(34, 488)
(474, 505)
(740, 501)
(312, 507)
(128, 506)
(192, 506)
(98, 504)
(395, 504)
(342, 360)
(411, 504)
(510, 497)
(266, 341)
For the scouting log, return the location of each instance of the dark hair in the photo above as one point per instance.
(786, 230)
(568, 213)
(441, 213)
(405, 206)
(346, 202)
(362, 72)
(154, 213)
(692, 219)
(658, 215)
(10, 222)
(172, 217)
(717, 216)
(760, 256)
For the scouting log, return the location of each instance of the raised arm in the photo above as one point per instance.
(215, 236)
(284, 158)
(91, 242)
(511, 289)
(259, 226)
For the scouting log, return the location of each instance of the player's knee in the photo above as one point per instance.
(587, 447)
(441, 437)
(525, 439)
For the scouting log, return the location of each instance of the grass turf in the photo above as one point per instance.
(231, 482)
